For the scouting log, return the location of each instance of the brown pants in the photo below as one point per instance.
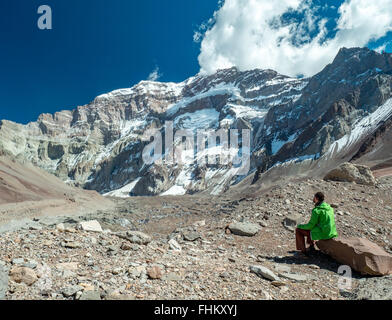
(300, 239)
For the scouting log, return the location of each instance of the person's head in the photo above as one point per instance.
(318, 197)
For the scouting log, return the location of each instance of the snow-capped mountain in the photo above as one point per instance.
(99, 146)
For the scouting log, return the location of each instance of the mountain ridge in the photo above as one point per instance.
(98, 146)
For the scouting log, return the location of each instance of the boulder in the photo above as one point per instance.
(348, 172)
(92, 226)
(244, 229)
(291, 221)
(360, 254)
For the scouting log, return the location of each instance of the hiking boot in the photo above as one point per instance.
(311, 250)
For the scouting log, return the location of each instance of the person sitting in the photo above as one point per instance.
(320, 227)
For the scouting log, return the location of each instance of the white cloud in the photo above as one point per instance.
(242, 35)
(154, 75)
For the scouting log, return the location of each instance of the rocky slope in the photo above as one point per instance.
(338, 115)
(186, 252)
(26, 190)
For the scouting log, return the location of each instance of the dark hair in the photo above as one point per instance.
(320, 196)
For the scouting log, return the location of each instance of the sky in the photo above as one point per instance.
(96, 46)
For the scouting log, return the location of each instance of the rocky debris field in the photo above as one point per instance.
(195, 248)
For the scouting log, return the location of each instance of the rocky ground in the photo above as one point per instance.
(184, 250)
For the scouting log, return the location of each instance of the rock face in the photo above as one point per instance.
(99, 146)
(360, 254)
(348, 172)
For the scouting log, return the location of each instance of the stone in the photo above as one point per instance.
(60, 227)
(244, 229)
(92, 226)
(360, 254)
(191, 236)
(154, 272)
(264, 272)
(23, 275)
(294, 277)
(70, 291)
(173, 245)
(125, 246)
(200, 223)
(18, 261)
(348, 172)
(71, 245)
(136, 237)
(291, 221)
(90, 295)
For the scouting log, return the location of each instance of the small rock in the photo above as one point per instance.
(116, 271)
(244, 229)
(154, 272)
(201, 223)
(23, 275)
(70, 291)
(60, 227)
(135, 237)
(92, 226)
(90, 295)
(173, 244)
(71, 245)
(126, 246)
(191, 236)
(264, 273)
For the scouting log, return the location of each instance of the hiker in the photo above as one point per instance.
(320, 227)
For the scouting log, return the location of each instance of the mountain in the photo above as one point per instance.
(342, 113)
(27, 191)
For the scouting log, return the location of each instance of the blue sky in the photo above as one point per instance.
(94, 47)
(97, 46)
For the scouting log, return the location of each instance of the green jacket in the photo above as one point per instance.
(322, 223)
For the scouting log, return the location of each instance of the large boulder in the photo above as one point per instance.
(360, 254)
(348, 172)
